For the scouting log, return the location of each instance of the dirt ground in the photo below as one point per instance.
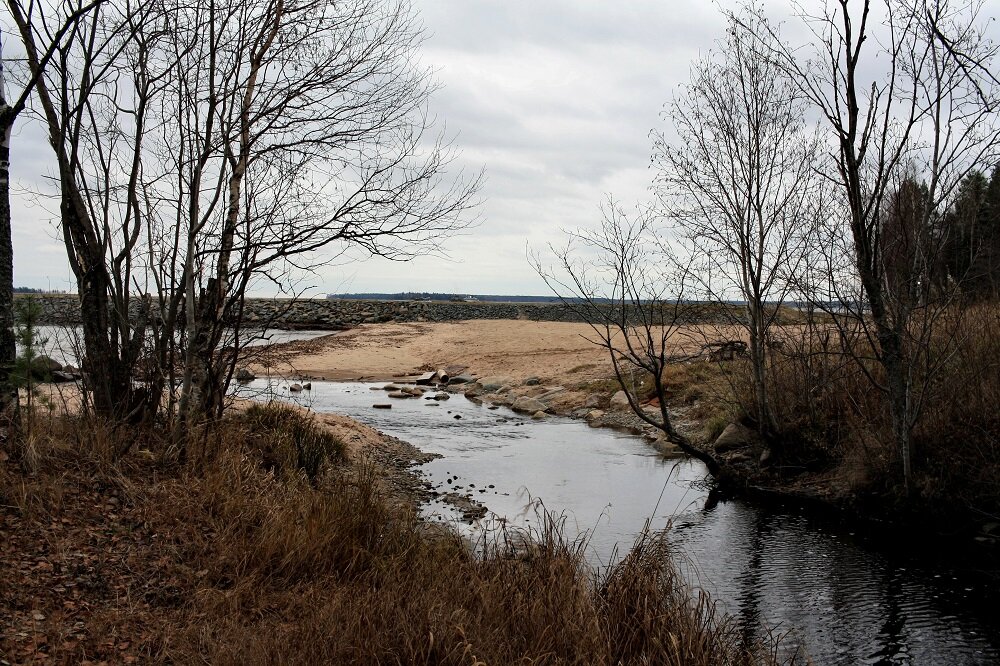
(555, 352)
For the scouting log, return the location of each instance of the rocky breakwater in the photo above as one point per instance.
(332, 314)
(337, 314)
(341, 314)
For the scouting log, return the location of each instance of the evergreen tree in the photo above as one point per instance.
(967, 247)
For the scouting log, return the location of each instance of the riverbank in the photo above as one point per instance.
(251, 553)
(551, 367)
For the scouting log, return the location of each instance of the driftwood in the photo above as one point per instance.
(725, 350)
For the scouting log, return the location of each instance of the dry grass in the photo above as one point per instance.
(239, 561)
(288, 440)
(830, 413)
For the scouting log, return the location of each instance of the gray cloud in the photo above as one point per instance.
(555, 99)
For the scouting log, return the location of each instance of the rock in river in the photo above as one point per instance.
(529, 405)
(243, 375)
(620, 400)
(734, 437)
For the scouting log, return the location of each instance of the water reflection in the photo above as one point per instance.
(838, 597)
(65, 343)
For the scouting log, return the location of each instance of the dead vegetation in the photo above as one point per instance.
(832, 420)
(245, 557)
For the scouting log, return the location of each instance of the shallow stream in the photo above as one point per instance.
(841, 597)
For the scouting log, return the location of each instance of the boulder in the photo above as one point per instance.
(43, 366)
(461, 379)
(295, 388)
(399, 394)
(593, 400)
(594, 414)
(532, 381)
(736, 437)
(538, 416)
(390, 387)
(620, 400)
(307, 386)
(243, 375)
(551, 392)
(412, 390)
(493, 384)
(441, 396)
(665, 446)
(63, 377)
(527, 405)
(46, 363)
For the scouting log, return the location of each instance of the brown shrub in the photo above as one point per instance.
(229, 559)
(825, 403)
(297, 573)
(290, 439)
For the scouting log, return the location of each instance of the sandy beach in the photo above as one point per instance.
(554, 352)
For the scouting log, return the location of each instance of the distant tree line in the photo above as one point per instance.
(971, 228)
(441, 296)
(32, 290)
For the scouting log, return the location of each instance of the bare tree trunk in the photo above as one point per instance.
(758, 361)
(8, 348)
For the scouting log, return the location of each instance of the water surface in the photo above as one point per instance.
(841, 598)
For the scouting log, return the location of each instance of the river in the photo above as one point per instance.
(840, 597)
(62, 343)
(836, 595)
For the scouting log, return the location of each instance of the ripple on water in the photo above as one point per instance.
(837, 597)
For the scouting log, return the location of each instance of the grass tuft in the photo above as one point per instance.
(288, 439)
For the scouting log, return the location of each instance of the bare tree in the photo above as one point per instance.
(211, 146)
(736, 182)
(617, 280)
(9, 113)
(907, 95)
(80, 70)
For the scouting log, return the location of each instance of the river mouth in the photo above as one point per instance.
(837, 596)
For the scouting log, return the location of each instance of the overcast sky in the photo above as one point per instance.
(555, 99)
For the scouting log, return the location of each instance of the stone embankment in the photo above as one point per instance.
(328, 314)
(334, 314)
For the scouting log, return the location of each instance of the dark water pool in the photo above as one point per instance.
(842, 598)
